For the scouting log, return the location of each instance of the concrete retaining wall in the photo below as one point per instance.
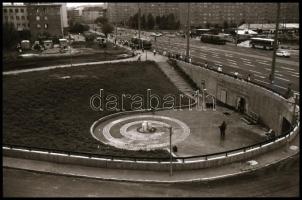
(271, 108)
(143, 165)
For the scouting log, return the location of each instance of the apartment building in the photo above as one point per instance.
(17, 15)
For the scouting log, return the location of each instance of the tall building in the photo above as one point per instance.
(50, 18)
(205, 14)
(17, 15)
(74, 15)
(89, 14)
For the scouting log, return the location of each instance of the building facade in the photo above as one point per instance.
(90, 14)
(17, 15)
(74, 15)
(205, 14)
(47, 18)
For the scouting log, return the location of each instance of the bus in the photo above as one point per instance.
(198, 32)
(139, 43)
(214, 39)
(264, 43)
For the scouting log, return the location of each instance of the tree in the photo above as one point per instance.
(78, 28)
(150, 21)
(143, 21)
(10, 36)
(107, 28)
(208, 25)
(101, 20)
(225, 25)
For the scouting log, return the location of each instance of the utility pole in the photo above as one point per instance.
(139, 24)
(116, 23)
(272, 75)
(188, 33)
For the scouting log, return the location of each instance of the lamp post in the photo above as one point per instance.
(170, 134)
(272, 74)
(188, 33)
(70, 50)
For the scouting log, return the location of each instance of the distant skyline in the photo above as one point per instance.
(83, 4)
(68, 4)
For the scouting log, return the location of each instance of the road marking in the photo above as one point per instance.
(288, 68)
(283, 79)
(259, 76)
(245, 59)
(233, 66)
(261, 81)
(263, 63)
(231, 60)
(280, 87)
(294, 75)
(249, 64)
(279, 74)
(255, 71)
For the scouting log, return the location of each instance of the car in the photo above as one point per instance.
(283, 53)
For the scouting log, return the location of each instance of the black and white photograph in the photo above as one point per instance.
(150, 99)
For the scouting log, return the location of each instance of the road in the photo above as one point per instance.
(281, 180)
(256, 62)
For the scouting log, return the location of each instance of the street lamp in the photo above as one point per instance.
(170, 145)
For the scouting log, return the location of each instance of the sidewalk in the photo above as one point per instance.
(201, 175)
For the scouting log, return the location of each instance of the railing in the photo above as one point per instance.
(154, 159)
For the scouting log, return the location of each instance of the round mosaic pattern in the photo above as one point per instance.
(124, 132)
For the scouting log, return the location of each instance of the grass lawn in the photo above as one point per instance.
(11, 61)
(41, 109)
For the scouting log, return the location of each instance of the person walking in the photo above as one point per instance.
(222, 128)
(154, 52)
(249, 78)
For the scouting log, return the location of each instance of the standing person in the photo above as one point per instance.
(222, 129)
(139, 57)
(249, 78)
(154, 52)
(206, 65)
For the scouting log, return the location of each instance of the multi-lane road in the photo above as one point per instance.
(256, 62)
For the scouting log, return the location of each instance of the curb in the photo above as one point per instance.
(198, 180)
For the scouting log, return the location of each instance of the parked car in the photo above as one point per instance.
(282, 53)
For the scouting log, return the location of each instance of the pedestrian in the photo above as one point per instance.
(206, 65)
(139, 57)
(236, 74)
(249, 77)
(222, 128)
(154, 52)
(143, 49)
(289, 93)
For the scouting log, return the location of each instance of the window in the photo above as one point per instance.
(22, 10)
(16, 10)
(37, 18)
(45, 18)
(11, 10)
(17, 17)
(45, 26)
(23, 17)
(28, 25)
(11, 17)
(38, 26)
(6, 18)
(24, 25)
(4, 10)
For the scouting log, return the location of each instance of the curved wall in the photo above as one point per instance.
(270, 106)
